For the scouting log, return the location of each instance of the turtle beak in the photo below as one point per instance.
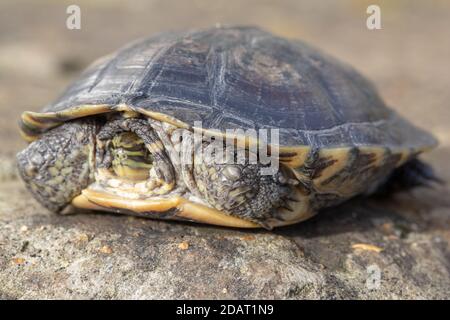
(174, 207)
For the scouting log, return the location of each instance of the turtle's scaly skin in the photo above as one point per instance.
(335, 131)
(56, 166)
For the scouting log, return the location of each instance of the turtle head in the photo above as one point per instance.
(57, 166)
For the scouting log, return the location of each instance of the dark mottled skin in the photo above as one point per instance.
(240, 189)
(56, 167)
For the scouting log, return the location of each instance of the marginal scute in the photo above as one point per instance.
(409, 153)
(331, 161)
(376, 154)
(294, 156)
(33, 124)
(347, 171)
(163, 118)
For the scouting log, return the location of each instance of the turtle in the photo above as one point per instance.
(141, 131)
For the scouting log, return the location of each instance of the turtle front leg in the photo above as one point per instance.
(240, 189)
(60, 164)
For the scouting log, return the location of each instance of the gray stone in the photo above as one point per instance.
(99, 255)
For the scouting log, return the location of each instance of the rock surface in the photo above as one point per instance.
(395, 247)
(335, 255)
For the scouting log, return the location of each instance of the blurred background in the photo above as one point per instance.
(107, 256)
(408, 59)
